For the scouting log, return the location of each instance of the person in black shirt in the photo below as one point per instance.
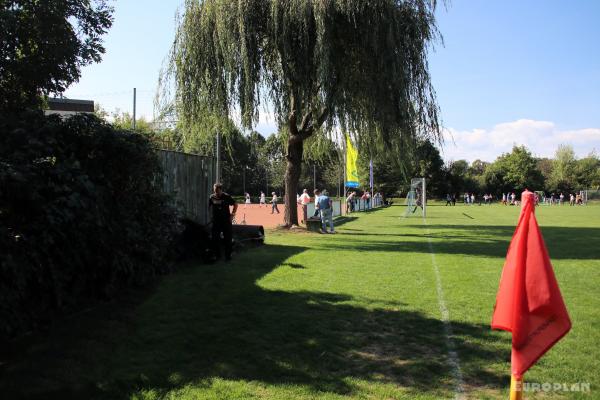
(219, 203)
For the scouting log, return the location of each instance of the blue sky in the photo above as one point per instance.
(509, 72)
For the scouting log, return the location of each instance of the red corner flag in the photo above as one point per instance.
(529, 303)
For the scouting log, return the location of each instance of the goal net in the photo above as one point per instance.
(589, 195)
(416, 201)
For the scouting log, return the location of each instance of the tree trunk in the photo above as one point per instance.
(295, 147)
(293, 169)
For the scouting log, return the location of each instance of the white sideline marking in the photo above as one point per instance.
(453, 359)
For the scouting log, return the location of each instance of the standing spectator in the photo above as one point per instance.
(513, 197)
(304, 200)
(350, 203)
(247, 196)
(219, 203)
(376, 199)
(326, 209)
(448, 200)
(368, 200)
(364, 199)
(571, 199)
(473, 199)
(317, 193)
(263, 200)
(561, 199)
(504, 198)
(454, 195)
(274, 203)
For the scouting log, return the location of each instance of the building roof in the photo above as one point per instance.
(73, 105)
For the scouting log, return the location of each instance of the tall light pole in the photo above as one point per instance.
(244, 179)
(315, 175)
(134, 101)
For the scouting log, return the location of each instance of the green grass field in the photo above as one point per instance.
(355, 315)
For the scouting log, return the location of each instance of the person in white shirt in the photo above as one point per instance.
(274, 204)
(263, 200)
(350, 203)
(304, 200)
(317, 192)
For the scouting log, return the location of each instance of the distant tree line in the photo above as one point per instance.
(519, 169)
(252, 163)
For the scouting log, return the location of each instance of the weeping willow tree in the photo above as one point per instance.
(321, 66)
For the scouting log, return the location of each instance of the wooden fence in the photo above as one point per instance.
(188, 178)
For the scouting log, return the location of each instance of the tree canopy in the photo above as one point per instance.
(44, 44)
(517, 169)
(357, 65)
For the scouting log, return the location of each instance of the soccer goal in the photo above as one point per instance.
(416, 198)
(591, 195)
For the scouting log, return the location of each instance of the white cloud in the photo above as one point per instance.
(541, 138)
(267, 123)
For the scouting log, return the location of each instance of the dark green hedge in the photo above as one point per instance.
(81, 216)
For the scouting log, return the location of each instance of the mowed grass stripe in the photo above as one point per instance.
(453, 358)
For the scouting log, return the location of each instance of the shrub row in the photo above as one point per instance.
(81, 215)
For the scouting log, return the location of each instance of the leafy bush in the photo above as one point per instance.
(81, 215)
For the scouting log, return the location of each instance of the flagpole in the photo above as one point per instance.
(371, 179)
(344, 178)
(516, 388)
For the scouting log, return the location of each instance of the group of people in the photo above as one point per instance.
(558, 200)
(323, 206)
(353, 198)
(262, 200)
(510, 199)
(469, 199)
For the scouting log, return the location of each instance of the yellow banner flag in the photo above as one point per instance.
(351, 171)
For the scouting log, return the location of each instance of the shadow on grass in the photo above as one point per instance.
(212, 322)
(562, 242)
(342, 220)
(473, 240)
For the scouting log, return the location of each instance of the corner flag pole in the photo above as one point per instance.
(516, 388)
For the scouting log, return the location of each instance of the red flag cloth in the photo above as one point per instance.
(529, 303)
